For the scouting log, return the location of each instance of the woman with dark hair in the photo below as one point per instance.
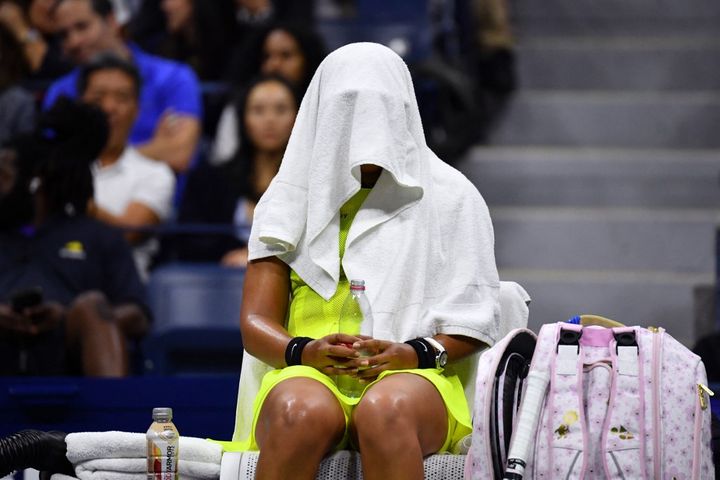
(197, 33)
(32, 25)
(227, 194)
(17, 106)
(289, 51)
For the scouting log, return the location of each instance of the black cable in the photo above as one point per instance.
(44, 451)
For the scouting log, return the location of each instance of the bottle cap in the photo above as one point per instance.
(162, 414)
(357, 284)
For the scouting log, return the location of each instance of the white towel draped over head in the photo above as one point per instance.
(422, 240)
(360, 108)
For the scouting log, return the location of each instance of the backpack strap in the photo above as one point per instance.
(624, 430)
(566, 429)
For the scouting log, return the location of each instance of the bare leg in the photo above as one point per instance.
(300, 421)
(400, 420)
(91, 328)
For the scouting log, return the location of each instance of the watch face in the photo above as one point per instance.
(442, 359)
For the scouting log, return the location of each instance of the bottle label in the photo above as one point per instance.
(162, 468)
(162, 452)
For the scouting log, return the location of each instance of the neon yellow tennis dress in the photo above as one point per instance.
(311, 316)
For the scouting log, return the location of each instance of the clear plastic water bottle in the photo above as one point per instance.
(355, 318)
(162, 446)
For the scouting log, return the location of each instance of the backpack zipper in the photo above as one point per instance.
(656, 359)
(703, 404)
(702, 390)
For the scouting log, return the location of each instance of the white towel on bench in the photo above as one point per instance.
(122, 456)
(136, 468)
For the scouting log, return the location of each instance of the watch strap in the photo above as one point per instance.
(439, 350)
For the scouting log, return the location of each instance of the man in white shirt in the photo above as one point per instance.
(131, 191)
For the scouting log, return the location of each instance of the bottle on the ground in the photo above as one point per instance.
(162, 446)
(355, 319)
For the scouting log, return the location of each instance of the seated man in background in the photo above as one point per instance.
(131, 190)
(70, 295)
(168, 124)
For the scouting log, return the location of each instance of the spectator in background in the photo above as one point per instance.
(91, 299)
(33, 26)
(495, 44)
(198, 31)
(147, 26)
(292, 51)
(289, 51)
(265, 12)
(228, 193)
(168, 123)
(17, 106)
(131, 190)
(252, 16)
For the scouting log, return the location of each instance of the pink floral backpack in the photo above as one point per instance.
(609, 403)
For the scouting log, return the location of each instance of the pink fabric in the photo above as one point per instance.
(596, 337)
(544, 349)
(623, 425)
(679, 400)
(478, 464)
(684, 428)
(598, 377)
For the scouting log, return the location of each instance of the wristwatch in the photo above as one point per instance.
(441, 356)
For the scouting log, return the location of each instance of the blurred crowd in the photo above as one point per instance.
(168, 119)
(201, 97)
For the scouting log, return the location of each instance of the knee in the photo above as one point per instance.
(90, 312)
(90, 304)
(291, 412)
(383, 410)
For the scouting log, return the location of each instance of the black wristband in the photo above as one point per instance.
(425, 352)
(294, 349)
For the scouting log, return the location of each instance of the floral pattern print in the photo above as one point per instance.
(622, 433)
(679, 371)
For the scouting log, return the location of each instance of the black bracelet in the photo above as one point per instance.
(294, 349)
(425, 352)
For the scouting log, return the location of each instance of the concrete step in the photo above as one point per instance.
(606, 118)
(597, 26)
(605, 239)
(614, 9)
(550, 9)
(654, 298)
(595, 177)
(619, 63)
(615, 16)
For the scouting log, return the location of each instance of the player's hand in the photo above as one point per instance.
(382, 355)
(333, 354)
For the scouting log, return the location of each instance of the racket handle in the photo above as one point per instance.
(524, 434)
